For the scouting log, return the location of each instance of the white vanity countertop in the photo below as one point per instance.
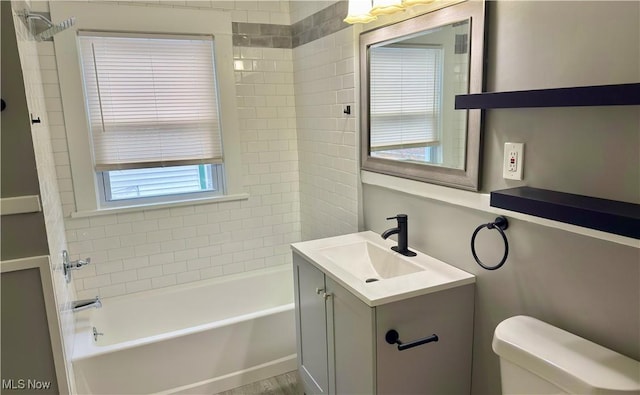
(436, 276)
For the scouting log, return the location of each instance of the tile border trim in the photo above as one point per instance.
(316, 26)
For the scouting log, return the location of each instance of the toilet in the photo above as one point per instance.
(538, 358)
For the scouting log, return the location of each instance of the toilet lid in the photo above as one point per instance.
(572, 363)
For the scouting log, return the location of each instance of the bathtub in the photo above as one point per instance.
(202, 337)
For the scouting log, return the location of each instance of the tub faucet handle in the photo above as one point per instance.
(96, 334)
(68, 264)
(77, 264)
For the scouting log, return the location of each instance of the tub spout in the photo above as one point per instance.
(85, 304)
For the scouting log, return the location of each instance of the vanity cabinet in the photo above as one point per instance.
(341, 339)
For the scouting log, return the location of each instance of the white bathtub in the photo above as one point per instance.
(202, 337)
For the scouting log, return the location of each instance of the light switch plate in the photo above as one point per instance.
(513, 161)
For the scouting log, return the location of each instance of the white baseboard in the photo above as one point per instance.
(237, 379)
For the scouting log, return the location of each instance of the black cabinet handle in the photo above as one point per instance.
(393, 337)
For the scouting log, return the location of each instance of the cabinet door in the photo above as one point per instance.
(442, 367)
(311, 327)
(353, 342)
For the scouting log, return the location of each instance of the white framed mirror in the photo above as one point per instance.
(410, 73)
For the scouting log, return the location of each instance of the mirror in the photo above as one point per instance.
(410, 73)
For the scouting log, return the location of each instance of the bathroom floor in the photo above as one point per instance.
(285, 384)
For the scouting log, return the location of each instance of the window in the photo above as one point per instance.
(160, 181)
(405, 82)
(212, 168)
(153, 115)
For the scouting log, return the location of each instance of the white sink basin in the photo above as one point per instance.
(369, 262)
(365, 264)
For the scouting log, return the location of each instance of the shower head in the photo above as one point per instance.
(55, 29)
(51, 27)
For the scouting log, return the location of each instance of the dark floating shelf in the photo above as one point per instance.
(599, 95)
(611, 216)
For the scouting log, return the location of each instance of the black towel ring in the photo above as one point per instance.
(500, 224)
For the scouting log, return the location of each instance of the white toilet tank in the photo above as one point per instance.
(537, 358)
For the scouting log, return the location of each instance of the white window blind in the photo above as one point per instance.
(404, 97)
(151, 101)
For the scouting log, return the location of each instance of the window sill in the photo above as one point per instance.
(157, 206)
(481, 202)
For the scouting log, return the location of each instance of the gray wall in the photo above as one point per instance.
(25, 341)
(22, 235)
(584, 285)
(26, 348)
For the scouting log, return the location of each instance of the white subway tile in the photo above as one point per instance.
(80, 247)
(267, 5)
(138, 286)
(173, 268)
(258, 16)
(163, 281)
(239, 16)
(211, 272)
(252, 53)
(181, 211)
(208, 251)
(109, 267)
(112, 290)
(185, 255)
(163, 258)
(206, 208)
(159, 236)
(78, 223)
(170, 222)
(147, 249)
(88, 293)
(195, 242)
(135, 240)
(90, 233)
(86, 272)
(155, 214)
(130, 217)
(103, 220)
(150, 272)
(97, 281)
(279, 18)
(246, 4)
(208, 229)
(233, 268)
(198, 263)
(144, 226)
(135, 262)
(173, 245)
(124, 276)
(186, 277)
(254, 264)
(118, 229)
(221, 260)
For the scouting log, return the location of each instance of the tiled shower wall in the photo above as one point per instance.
(132, 252)
(46, 168)
(327, 138)
(156, 248)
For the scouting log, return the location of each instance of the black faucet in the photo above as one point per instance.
(403, 235)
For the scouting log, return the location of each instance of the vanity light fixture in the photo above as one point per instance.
(365, 11)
